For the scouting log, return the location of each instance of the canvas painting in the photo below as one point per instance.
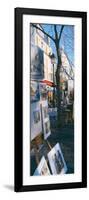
(56, 160)
(42, 169)
(37, 69)
(43, 91)
(45, 110)
(34, 91)
(35, 120)
(45, 119)
(47, 127)
(36, 116)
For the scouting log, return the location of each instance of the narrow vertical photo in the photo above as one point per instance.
(52, 67)
(50, 99)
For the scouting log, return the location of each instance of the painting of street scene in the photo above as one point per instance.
(52, 70)
(34, 89)
(56, 160)
(45, 112)
(42, 168)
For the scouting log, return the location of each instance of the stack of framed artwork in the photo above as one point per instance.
(54, 165)
(40, 122)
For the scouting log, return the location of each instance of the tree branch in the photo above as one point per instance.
(70, 62)
(67, 74)
(55, 31)
(62, 27)
(43, 32)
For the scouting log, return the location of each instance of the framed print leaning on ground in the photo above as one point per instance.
(50, 99)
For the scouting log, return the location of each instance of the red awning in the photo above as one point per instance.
(49, 83)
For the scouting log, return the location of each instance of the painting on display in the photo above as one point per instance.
(37, 63)
(56, 160)
(36, 115)
(43, 91)
(34, 91)
(47, 127)
(45, 119)
(35, 119)
(45, 111)
(42, 169)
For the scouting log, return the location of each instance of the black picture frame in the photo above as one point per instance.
(18, 109)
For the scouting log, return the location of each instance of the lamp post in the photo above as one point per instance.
(53, 62)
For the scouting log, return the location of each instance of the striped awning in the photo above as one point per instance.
(49, 83)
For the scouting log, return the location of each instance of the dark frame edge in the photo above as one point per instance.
(50, 12)
(18, 109)
(47, 187)
(84, 99)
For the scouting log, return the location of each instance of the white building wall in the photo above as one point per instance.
(66, 66)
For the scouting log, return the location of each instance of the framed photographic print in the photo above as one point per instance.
(45, 119)
(35, 95)
(47, 127)
(36, 116)
(56, 160)
(35, 120)
(51, 67)
(37, 69)
(42, 169)
(43, 91)
(45, 112)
